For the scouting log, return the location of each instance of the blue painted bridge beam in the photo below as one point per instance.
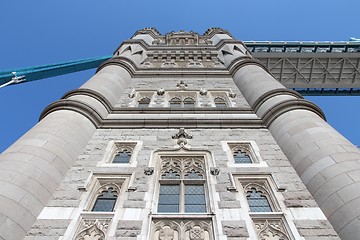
(15, 76)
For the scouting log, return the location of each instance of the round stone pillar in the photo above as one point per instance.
(327, 163)
(33, 167)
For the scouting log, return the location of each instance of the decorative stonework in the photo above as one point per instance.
(182, 134)
(93, 229)
(149, 170)
(215, 171)
(271, 229)
(169, 64)
(181, 85)
(182, 229)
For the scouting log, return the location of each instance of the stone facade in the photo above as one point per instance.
(208, 146)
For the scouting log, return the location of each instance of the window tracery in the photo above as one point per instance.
(182, 181)
(220, 102)
(106, 198)
(122, 156)
(144, 102)
(244, 153)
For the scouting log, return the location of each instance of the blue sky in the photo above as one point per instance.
(41, 32)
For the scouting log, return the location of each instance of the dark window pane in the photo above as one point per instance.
(169, 198)
(144, 102)
(168, 208)
(220, 102)
(175, 104)
(105, 202)
(195, 208)
(195, 198)
(258, 202)
(122, 157)
(104, 205)
(189, 102)
(241, 157)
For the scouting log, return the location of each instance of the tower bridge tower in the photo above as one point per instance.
(181, 136)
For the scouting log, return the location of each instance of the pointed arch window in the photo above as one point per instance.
(258, 201)
(175, 102)
(122, 156)
(144, 102)
(182, 185)
(189, 102)
(241, 156)
(220, 102)
(105, 202)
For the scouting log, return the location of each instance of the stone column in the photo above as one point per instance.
(33, 167)
(327, 163)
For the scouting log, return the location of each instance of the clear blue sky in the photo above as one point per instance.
(42, 32)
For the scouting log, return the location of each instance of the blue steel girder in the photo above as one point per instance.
(14, 76)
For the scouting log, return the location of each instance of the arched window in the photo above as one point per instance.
(258, 202)
(175, 102)
(189, 102)
(123, 156)
(144, 102)
(220, 102)
(241, 157)
(105, 202)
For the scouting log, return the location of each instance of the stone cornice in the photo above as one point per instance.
(125, 63)
(276, 92)
(240, 62)
(76, 106)
(90, 93)
(151, 119)
(288, 105)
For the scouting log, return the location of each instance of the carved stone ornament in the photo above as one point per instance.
(197, 233)
(160, 91)
(232, 94)
(132, 94)
(93, 230)
(215, 171)
(203, 91)
(149, 171)
(182, 134)
(169, 64)
(181, 85)
(271, 229)
(166, 234)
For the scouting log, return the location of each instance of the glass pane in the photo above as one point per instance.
(168, 208)
(144, 102)
(195, 198)
(189, 104)
(195, 208)
(175, 104)
(169, 198)
(220, 104)
(122, 157)
(105, 202)
(104, 205)
(241, 157)
(258, 202)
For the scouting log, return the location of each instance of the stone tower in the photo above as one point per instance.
(181, 136)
